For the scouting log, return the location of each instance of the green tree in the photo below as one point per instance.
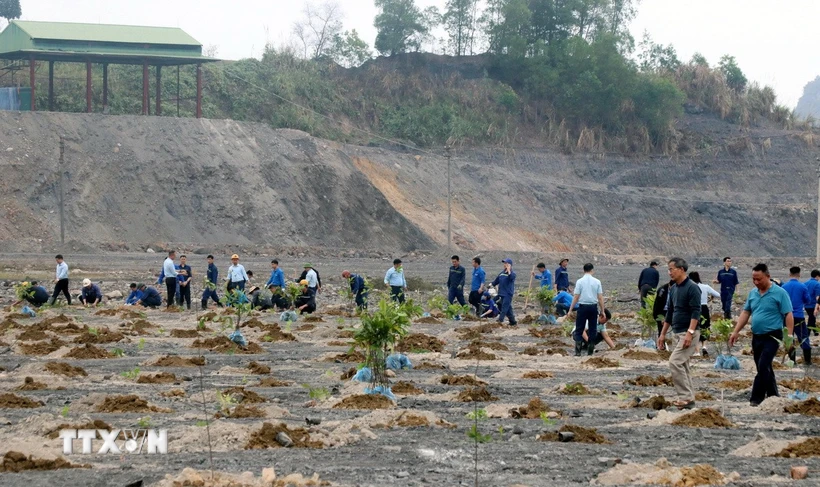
(399, 25)
(509, 33)
(552, 20)
(734, 75)
(657, 58)
(699, 59)
(318, 27)
(10, 9)
(349, 50)
(459, 21)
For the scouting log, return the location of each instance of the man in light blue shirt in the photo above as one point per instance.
(477, 286)
(170, 272)
(237, 277)
(61, 281)
(769, 306)
(589, 295)
(395, 279)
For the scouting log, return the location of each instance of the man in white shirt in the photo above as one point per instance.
(589, 296)
(170, 272)
(61, 281)
(237, 276)
(312, 278)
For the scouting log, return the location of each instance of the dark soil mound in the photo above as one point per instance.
(96, 424)
(475, 332)
(14, 461)
(306, 327)
(474, 352)
(429, 366)
(345, 334)
(61, 318)
(462, 380)
(33, 334)
(409, 420)
(244, 397)
(428, 320)
(490, 345)
(223, 344)
(365, 401)
(806, 384)
(582, 435)
(176, 361)
(128, 314)
(339, 343)
(642, 355)
(532, 410)
(601, 363)
(8, 324)
(348, 374)
(809, 407)
(807, 448)
(649, 381)
(416, 342)
(703, 396)
(184, 333)
(735, 384)
(655, 402)
(406, 388)
(575, 389)
(13, 401)
(352, 356)
(42, 348)
(313, 319)
(160, 378)
(102, 336)
(69, 329)
(271, 382)
(552, 342)
(107, 312)
(242, 411)
(29, 384)
(130, 403)
(703, 418)
(142, 327)
(266, 437)
(476, 394)
(538, 374)
(257, 368)
(62, 368)
(531, 351)
(546, 332)
(88, 352)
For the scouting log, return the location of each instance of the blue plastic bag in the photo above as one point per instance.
(29, 311)
(288, 316)
(547, 320)
(363, 375)
(798, 395)
(398, 361)
(727, 362)
(384, 391)
(237, 338)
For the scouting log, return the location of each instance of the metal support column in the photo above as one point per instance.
(105, 87)
(198, 91)
(88, 87)
(158, 110)
(31, 80)
(145, 87)
(51, 86)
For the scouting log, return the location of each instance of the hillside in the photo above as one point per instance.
(136, 181)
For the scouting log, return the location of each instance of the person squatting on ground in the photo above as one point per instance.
(61, 281)
(237, 276)
(477, 286)
(589, 296)
(134, 296)
(91, 294)
(455, 281)
(212, 278)
(648, 280)
(306, 302)
(705, 315)
(727, 278)
(489, 309)
(562, 276)
(34, 294)
(170, 273)
(150, 297)
(768, 306)
(184, 276)
(395, 279)
(683, 316)
(563, 301)
(813, 285)
(505, 283)
(603, 336)
(800, 298)
(357, 288)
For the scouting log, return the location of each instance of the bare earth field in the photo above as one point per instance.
(422, 439)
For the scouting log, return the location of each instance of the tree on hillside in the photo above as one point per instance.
(459, 21)
(317, 28)
(400, 24)
(552, 20)
(657, 58)
(349, 50)
(10, 9)
(734, 75)
(510, 30)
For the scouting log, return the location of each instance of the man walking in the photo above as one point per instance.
(184, 276)
(212, 278)
(801, 299)
(395, 279)
(357, 288)
(505, 283)
(813, 285)
(562, 276)
(589, 296)
(276, 283)
(727, 278)
(61, 281)
(769, 306)
(648, 280)
(477, 286)
(544, 276)
(237, 277)
(455, 281)
(683, 316)
(170, 273)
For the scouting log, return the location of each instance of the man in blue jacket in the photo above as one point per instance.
(544, 276)
(563, 300)
(150, 297)
(212, 276)
(505, 283)
(801, 299)
(562, 276)
(276, 283)
(648, 280)
(477, 286)
(455, 281)
(813, 285)
(134, 296)
(727, 278)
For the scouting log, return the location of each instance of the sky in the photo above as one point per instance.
(774, 41)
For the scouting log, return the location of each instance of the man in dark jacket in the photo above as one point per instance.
(306, 303)
(648, 280)
(505, 283)
(727, 278)
(34, 294)
(91, 294)
(562, 276)
(659, 308)
(683, 316)
(150, 297)
(212, 276)
(357, 288)
(455, 281)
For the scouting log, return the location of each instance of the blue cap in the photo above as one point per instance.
(507, 261)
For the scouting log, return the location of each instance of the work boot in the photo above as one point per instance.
(590, 348)
(807, 357)
(578, 346)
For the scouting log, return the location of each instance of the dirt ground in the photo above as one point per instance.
(423, 439)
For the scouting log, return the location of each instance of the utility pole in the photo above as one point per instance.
(62, 193)
(449, 204)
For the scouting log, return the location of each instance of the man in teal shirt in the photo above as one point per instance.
(768, 306)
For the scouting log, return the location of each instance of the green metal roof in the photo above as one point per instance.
(121, 44)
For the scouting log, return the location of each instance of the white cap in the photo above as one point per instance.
(86, 282)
